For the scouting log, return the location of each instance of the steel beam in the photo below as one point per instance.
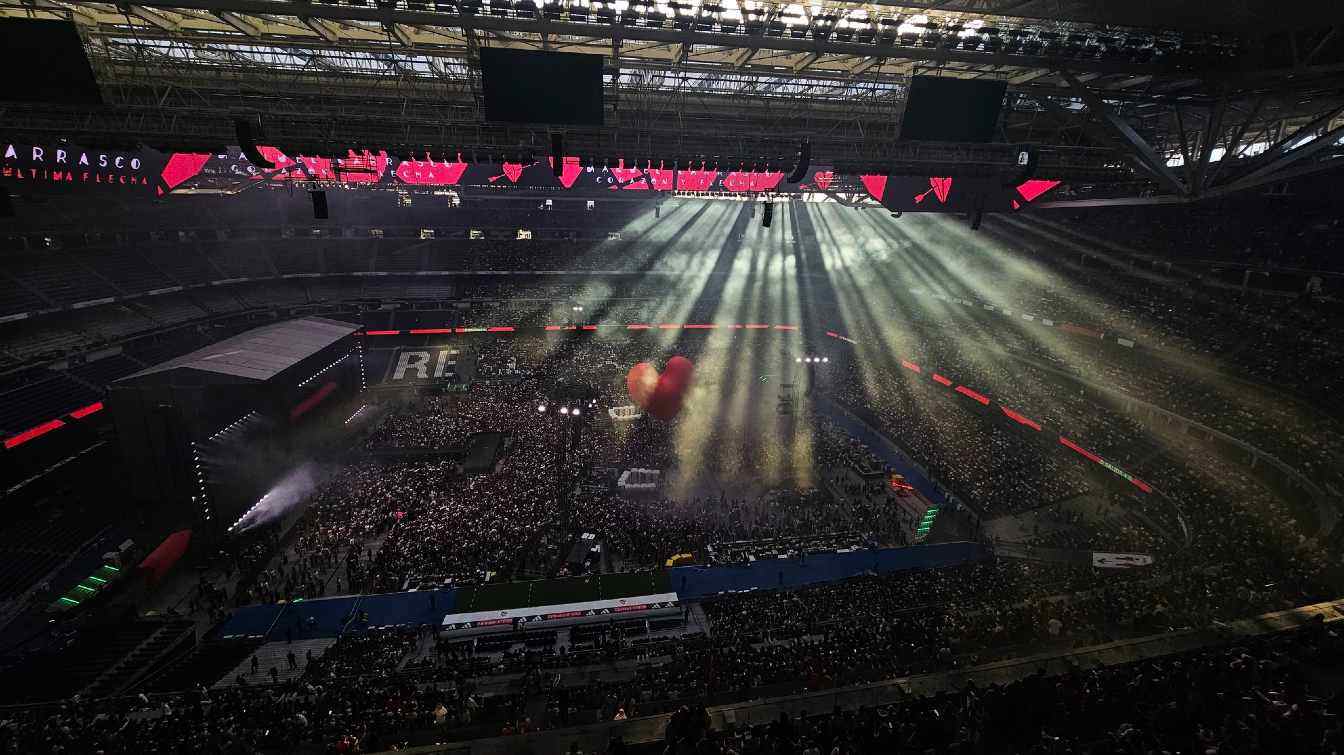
(1209, 139)
(241, 24)
(153, 18)
(1275, 170)
(1277, 149)
(805, 61)
(1325, 40)
(1030, 76)
(1140, 148)
(1232, 152)
(863, 65)
(325, 29)
(402, 34)
(1078, 204)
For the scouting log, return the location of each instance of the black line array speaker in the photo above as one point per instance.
(977, 212)
(319, 204)
(804, 160)
(247, 142)
(557, 153)
(769, 214)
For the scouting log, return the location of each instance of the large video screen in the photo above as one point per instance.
(952, 110)
(534, 86)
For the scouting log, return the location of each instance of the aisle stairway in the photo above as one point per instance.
(275, 654)
(203, 664)
(147, 657)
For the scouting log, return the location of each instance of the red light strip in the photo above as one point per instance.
(963, 390)
(637, 327)
(85, 411)
(555, 327)
(1091, 456)
(382, 332)
(590, 327)
(940, 379)
(1141, 485)
(669, 326)
(428, 331)
(786, 327)
(703, 326)
(910, 366)
(756, 326)
(33, 432)
(500, 329)
(1014, 416)
(305, 405)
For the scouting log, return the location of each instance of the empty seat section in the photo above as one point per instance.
(57, 277)
(184, 263)
(240, 259)
(298, 257)
(38, 402)
(126, 269)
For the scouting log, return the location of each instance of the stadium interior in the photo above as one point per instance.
(671, 377)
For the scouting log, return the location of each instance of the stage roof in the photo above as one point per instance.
(261, 353)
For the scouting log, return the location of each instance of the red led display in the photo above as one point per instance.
(939, 187)
(1035, 187)
(430, 172)
(1070, 444)
(306, 405)
(181, 166)
(1020, 419)
(876, 185)
(748, 181)
(696, 180)
(570, 169)
(33, 432)
(967, 392)
(85, 411)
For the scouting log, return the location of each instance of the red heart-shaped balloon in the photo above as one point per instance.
(641, 381)
(660, 395)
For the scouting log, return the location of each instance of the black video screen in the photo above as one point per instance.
(528, 86)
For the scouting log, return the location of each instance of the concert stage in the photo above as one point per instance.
(216, 426)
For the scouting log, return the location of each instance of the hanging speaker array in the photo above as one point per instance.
(247, 142)
(804, 160)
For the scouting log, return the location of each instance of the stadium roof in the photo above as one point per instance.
(259, 354)
(1161, 89)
